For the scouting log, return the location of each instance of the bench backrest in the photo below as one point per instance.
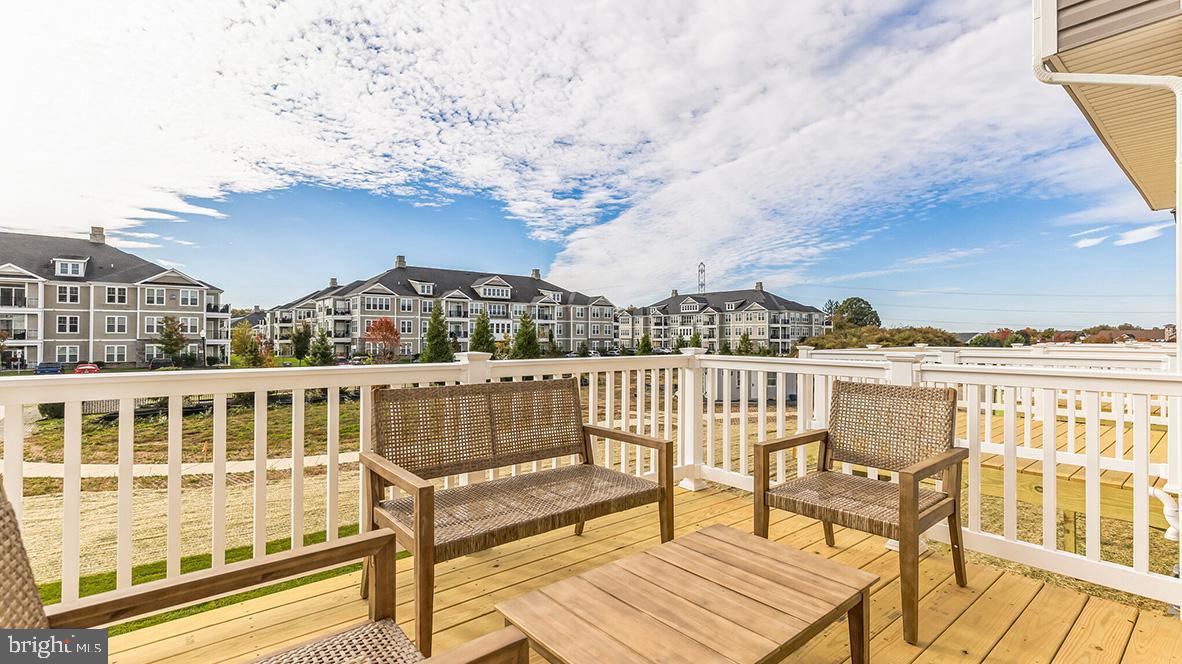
(438, 431)
(889, 426)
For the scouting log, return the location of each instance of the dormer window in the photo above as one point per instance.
(730, 306)
(69, 268)
(426, 289)
(500, 292)
(689, 306)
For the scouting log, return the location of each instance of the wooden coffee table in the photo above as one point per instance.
(714, 596)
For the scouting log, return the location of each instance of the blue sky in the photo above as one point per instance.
(895, 149)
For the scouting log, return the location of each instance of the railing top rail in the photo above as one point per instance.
(1130, 382)
(509, 368)
(855, 368)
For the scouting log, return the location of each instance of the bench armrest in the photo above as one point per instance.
(628, 437)
(929, 466)
(504, 646)
(394, 474)
(803, 438)
(205, 584)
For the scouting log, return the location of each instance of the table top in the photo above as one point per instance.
(717, 595)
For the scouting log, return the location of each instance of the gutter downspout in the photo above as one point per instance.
(1173, 84)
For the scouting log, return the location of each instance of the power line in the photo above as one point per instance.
(959, 292)
(1018, 311)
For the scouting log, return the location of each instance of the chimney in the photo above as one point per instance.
(399, 262)
(535, 273)
(257, 308)
(674, 293)
(97, 235)
(759, 285)
(332, 282)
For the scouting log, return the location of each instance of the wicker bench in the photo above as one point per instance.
(426, 433)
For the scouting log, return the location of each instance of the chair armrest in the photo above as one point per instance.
(205, 584)
(768, 446)
(504, 646)
(629, 437)
(394, 474)
(929, 466)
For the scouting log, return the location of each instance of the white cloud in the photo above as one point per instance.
(754, 137)
(1090, 231)
(1086, 242)
(1142, 234)
(173, 265)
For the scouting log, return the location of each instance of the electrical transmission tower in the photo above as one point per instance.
(701, 277)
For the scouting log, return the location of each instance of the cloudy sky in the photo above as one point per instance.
(896, 150)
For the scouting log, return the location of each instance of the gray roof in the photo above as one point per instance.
(718, 300)
(105, 263)
(524, 289)
(254, 318)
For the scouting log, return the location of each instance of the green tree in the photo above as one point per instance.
(830, 309)
(301, 339)
(857, 312)
(646, 345)
(525, 342)
(320, 351)
(171, 338)
(1014, 338)
(584, 351)
(725, 348)
(679, 343)
(695, 340)
(985, 341)
(242, 337)
(482, 338)
(551, 347)
(438, 344)
(745, 347)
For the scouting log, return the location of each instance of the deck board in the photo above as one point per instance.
(1001, 616)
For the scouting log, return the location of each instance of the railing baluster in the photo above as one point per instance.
(804, 415)
(365, 444)
(638, 450)
(973, 429)
(332, 479)
(1010, 469)
(781, 401)
(609, 415)
(175, 521)
(71, 501)
(259, 540)
(297, 469)
(1092, 473)
(218, 537)
(761, 407)
(711, 379)
(744, 413)
(1050, 521)
(625, 414)
(726, 419)
(124, 525)
(653, 406)
(1140, 414)
(14, 455)
(668, 403)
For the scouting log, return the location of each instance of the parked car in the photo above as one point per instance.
(594, 353)
(46, 368)
(159, 363)
(571, 354)
(86, 368)
(614, 352)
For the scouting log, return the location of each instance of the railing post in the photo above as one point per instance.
(1174, 439)
(949, 356)
(901, 367)
(476, 368)
(690, 431)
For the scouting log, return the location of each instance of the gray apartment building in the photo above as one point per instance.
(74, 300)
(408, 293)
(770, 321)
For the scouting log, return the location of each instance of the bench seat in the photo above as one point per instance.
(483, 515)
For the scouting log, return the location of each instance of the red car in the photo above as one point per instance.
(86, 368)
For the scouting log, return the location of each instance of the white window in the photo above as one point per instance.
(428, 306)
(152, 324)
(67, 354)
(116, 353)
(407, 348)
(730, 306)
(68, 294)
(154, 296)
(192, 349)
(406, 327)
(498, 310)
(152, 351)
(426, 289)
(595, 329)
(67, 324)
(406, 305)
(116, 294)
(376, 303)
(116, 325)
(518, 310)
(189, 324)
(579, 329)
(69, 268)
(557, 297)
(368, 324)
(188, 297)
(580, 312)
(495, 291)
(689, 306)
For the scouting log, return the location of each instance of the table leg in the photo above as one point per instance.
(859, 620)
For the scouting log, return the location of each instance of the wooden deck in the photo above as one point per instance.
(1000, 617)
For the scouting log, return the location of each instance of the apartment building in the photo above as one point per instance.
(407, 294)
(770, 321)
(75, 300)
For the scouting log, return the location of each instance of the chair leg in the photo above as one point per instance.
(909, 587)
(579, 527)
(666, 517)
(424, 595)
(762, 516)
(828, 527)
(955, 540)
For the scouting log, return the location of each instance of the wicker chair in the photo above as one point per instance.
(425, 433)
(889, 427)
(378, 640)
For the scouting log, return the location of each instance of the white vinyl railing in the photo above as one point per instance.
(1043, 441)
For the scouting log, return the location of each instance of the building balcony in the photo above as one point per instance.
(457, 313)
(1001, 614)
(338, 311)
(217, 309)
(18, 302)
(16, 335)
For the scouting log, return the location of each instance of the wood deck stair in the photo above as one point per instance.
(1001, 617)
